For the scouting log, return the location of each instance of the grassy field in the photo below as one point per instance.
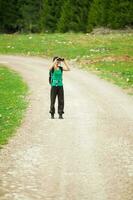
(13, 91)
(110, 56)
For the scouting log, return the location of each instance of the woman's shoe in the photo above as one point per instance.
(60, 116)
(52, 116)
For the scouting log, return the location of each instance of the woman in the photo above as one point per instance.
(56, 72)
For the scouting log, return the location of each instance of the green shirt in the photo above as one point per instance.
(57, 78)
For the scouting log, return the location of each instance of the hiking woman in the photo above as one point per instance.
(56, 81)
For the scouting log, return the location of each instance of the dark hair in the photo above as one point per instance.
(55, 58)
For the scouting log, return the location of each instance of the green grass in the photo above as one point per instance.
(82, 47)
(120, 73)
(13, 92)
(69, 45)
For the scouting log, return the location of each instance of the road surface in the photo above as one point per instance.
(88, 155)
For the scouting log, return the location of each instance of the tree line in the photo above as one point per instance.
(64, 15)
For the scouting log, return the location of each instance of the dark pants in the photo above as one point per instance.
(57, 91)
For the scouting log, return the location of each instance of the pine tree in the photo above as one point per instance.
(29, 11)
(1, 16)
(74, 16)
(98, 13)
(66, 15)
(51, 11)
(120, 13)
(113, 13)
(8, 15)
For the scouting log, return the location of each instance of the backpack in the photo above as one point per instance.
(51, 72)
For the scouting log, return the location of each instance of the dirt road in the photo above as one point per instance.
(88, 155)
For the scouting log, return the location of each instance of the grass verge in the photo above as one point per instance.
(118, 72)
(13, 103)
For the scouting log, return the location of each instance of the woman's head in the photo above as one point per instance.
(55, 58)
(57, 61)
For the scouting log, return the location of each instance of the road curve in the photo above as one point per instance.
(88, 155)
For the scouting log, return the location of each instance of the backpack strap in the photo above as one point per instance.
(61, 68)
(52, 70)
(50, 74)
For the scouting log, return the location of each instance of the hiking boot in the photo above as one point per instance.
(60, 116)
(52, 116)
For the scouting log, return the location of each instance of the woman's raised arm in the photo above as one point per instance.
(66, 68)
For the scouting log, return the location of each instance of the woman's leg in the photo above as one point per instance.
(60, 100)
(53, 94)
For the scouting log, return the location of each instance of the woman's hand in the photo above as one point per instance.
(54, 63)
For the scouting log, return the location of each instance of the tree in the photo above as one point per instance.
(8, 15)
(120, 13)
(51, 11)
(29, 11)
(73, 16)
(98, 13)
(114, 14)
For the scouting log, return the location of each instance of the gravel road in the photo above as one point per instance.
(88, 155)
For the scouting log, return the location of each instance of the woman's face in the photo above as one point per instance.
(58, 62)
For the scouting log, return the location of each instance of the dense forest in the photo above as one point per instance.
(64, 15)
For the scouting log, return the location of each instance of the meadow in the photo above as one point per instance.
(13, 102)
(108, 55)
